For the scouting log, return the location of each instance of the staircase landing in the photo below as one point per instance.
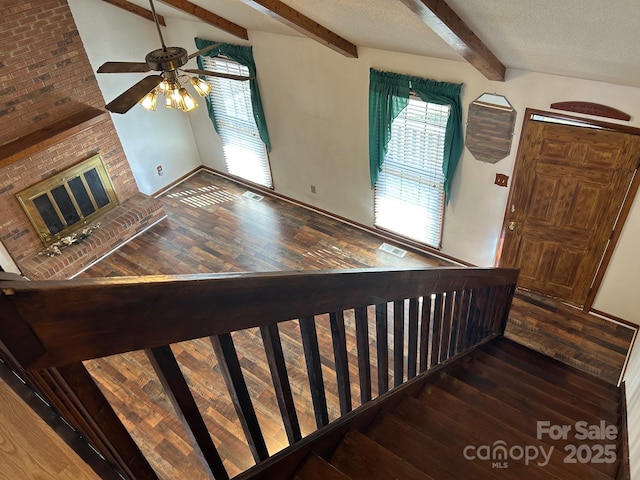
(590, 343)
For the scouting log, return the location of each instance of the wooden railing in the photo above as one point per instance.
(49, 328)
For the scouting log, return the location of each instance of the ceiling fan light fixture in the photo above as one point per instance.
(201, 86)
(150, 100)
(187, 102)
(172, 94)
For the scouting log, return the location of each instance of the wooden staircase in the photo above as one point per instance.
(493, 397)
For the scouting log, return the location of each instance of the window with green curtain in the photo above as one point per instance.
(244, 56)
(389, 95)
(409, 193)
(244, 152)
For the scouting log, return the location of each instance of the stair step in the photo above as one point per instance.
(578, 411)
(524, 421)
(510, 423)
(424, 453)
(517, 399)
(558, 373)
(466, 427)
(361, 458)
(554, 366)
(444, 429)
(315, 468)
(586, 402)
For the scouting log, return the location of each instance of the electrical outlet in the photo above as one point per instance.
(501, 180)
(160, 171)
(313, 189)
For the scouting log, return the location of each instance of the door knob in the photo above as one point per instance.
(512, 226)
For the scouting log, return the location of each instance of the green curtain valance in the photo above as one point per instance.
(244, 56)
(389, 95)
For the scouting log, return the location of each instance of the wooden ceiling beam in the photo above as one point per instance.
(135, 9)
(456, 33)
(209, 17)
(299, 22)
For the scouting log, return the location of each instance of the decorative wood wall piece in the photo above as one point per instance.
(490, 127)
(590, 108)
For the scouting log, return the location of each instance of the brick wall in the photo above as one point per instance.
(45, 76)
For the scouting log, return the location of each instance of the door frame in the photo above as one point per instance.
(624, 209)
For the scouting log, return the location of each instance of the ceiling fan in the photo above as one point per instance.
(168, 61)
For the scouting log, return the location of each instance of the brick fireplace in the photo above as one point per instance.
(51, 118)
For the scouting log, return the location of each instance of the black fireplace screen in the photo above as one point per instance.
(68, 200)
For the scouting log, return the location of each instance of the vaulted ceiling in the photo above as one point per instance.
(589, 39)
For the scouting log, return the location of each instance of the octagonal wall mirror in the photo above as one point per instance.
(490, 127)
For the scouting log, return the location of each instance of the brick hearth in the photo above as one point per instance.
(116, 227)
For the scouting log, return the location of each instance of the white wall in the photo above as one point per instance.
(632, 390)
(316, 104)
(6, 262)
(149, 139)
(620, 288)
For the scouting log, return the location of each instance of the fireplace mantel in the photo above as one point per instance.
(45, 137)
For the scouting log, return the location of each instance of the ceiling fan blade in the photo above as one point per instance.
(217, 74)
(124, 67)
(128, 99)
(204, 50)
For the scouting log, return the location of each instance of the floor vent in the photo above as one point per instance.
(252, 196)
(398, 252)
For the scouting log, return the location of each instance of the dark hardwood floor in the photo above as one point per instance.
(212, 227)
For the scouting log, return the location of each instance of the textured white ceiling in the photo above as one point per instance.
(591, 39)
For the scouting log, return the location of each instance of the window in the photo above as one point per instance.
(244, 152)
(409, 194)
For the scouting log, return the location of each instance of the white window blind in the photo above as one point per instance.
(244, 152)
(409, 194)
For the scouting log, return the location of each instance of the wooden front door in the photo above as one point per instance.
(569, 187)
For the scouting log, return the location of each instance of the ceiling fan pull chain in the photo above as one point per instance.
(155, 19)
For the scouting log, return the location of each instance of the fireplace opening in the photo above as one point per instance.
(68, 200)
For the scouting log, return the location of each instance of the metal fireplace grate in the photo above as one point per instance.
(61, 203)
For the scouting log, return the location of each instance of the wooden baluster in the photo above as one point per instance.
(490, 309)
(496, 318)
(339, 339)
(506, 308)
(314, 369)
(77, 382)
(425, 328)
(234, 379)
(166, 367)
(474, 315)
(483, 313)
(465, 312)
(496, 307)
(280, 378)
(412, 345)
(447, 319)
(436, 329)
(364, 362)
(382, 347)
(398, 342)
(456, 322)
